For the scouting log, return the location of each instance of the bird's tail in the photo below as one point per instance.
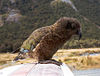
(21, 54)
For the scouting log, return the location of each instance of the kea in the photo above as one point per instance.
(58, 33)
(43, 43)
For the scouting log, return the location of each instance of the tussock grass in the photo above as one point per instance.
(71, 57)
(74, 58)
(6, 59)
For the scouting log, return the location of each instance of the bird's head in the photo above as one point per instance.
(71, 25)
(74, 27)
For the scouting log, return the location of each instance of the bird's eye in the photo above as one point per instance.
(70, 25)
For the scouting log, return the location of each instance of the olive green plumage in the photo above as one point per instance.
(43, 43)
(31, 42)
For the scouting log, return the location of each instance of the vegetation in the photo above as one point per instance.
(77, 60)
(89, 9)
(38, 13)
(73, 57)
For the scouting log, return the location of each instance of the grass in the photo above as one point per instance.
(74, 58)
(71, 57)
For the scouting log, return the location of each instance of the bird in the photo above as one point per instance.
(43, 43)
(58, 34)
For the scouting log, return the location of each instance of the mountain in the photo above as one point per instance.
(18, 18)
(89, 9)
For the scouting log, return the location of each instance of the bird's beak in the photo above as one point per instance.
(79, 33)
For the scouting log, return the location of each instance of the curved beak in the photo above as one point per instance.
(79, 33)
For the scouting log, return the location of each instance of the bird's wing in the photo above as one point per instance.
(35, 38)
(48, 45)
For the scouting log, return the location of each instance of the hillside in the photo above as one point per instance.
(21, 17)
(89, 9)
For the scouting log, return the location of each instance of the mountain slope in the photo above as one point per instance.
(36, 13)
(89, 8)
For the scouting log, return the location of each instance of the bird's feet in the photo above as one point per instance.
(51, 61)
